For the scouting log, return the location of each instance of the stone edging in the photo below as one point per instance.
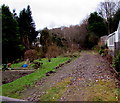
(60, 65)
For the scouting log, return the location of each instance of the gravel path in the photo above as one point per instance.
(86, 71)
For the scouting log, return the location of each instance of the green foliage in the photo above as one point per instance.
(10, 36)
(96, 25)
(40, 52)
(27, 27)
(91, 40)
(96, 29)
(17, 33)
(14, 88)
(45, 39)
(58, 40)
(116, 62)
(101, 52)
(37, 65)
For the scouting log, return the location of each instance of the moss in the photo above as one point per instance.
(102, 91)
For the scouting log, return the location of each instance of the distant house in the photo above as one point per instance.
(113, 41)
(36, 43)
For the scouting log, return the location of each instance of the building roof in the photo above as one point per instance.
(112, 34)
(104, 38)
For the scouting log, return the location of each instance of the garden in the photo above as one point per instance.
(18, 80)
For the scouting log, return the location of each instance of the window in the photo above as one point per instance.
(111, 40)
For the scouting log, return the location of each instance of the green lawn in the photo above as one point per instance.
(17, 65)
(14, 88)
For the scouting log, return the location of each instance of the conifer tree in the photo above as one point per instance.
(10, 36)
(27, 27)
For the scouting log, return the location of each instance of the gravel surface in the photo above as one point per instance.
(89, 68)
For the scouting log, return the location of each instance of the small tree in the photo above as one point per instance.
(53, 51)
(96, 25)
(45, 39)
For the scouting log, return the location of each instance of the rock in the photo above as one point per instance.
(50, 72)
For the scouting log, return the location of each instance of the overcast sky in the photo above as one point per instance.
(55, 13)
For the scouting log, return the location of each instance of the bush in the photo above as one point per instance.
(37, 65)
(30, 54)
(103, 51)
(33, 54)
(91, 40)
(39, 52)
(72, 47)
(53, 51)
(96, 48)
(116, 62)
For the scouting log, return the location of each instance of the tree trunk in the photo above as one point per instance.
(25, 42)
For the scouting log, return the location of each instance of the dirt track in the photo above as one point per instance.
(89, 78)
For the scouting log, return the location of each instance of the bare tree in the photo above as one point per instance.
(75, 34)
(107, 10)
(83, 32)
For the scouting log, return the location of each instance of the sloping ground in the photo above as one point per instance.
(87, 78)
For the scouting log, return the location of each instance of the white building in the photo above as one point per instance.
(37, 42)
(113, 41)
(38, 36)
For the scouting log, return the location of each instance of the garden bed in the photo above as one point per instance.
(11, 75)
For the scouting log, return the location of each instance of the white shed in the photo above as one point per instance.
(113, 41)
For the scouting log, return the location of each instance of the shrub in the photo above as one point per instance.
(72, 47)
(37, 65)
(30, 54)
(91, 40)
(33, 54)
(103, 51)
(40, 52)
(96, 48)
(53, 51)
(116, 62)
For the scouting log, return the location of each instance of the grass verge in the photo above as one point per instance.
(16, 87)
(55, 92)
(103, 91)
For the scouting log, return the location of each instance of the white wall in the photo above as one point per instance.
(118, 32)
